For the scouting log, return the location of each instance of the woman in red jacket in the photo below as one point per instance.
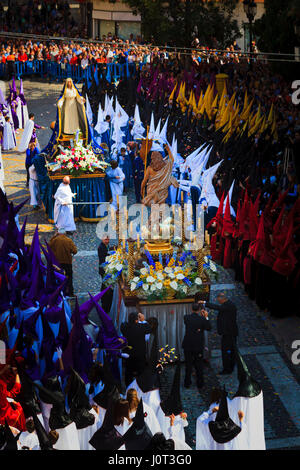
(10, 410)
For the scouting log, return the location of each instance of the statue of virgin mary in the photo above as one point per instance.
(71, 110)
(71, 117)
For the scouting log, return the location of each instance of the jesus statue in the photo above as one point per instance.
(158, 178)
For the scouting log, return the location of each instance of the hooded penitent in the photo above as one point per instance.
(248, 387)
(138, 435)
(52, 394)
(42, 435)
(223, 429)
(149, 379)
(78, 401)
(110, 390)
(172, 404)
(107, 437)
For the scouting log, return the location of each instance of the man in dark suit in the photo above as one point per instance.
(106, 300)
(227, 329)
(102, 253)
(193, 343)
(134, 331)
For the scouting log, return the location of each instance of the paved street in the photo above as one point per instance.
(264, 342)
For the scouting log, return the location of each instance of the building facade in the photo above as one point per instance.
(115, 17)
(240, 16)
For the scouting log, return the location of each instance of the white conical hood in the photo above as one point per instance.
(157, 131)
(152, 128)
(89, 112)
(163, 133)
(208, 190)
(137, 119)
(101, 125)
(229, 195)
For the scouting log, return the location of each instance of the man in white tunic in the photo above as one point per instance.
(63, 208)
(116, 179)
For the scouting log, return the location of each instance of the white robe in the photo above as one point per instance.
(205, 441)
(151, 419)
(151, 398)
(177, 428)
(33, 187)
(9, 138)
(68, 438)
(253, 409)
(116, 185)
(26, 136)
(63, 215)
(85, 434)
(19, 114)
(179, 444)
(29, 439)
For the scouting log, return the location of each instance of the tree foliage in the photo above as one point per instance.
(275, 29)
(174, 21)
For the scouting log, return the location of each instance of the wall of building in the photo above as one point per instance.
(114, 18)
(241, 18)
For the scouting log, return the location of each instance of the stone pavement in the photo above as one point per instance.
(264, 342)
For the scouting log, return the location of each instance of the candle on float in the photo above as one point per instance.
(138, 241)
(182, 195)
(118, 200)
(130, 230)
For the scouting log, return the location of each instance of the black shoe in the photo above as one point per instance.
(187, 386)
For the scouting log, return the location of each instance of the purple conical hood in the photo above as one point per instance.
(55, 298)
(87, 306)
(78, 352)
(21, 235)
(35, 290)
(19, 206)
(3, 202)
(4, 293)
(14, 87)
(30, 324)
(35, 245)
(108, 336)
(51, 255)
(48, 347)
(63, 332)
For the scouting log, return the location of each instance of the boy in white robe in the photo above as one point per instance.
(9, 138)
(34, 188)
(116, 181)
(63, 208)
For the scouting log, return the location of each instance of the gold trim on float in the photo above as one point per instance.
(88, 175)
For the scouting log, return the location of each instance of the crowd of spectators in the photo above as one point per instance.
(262, 84)
(52, 17)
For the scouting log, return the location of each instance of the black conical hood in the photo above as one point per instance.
(149, 380)
(110, 392)
(223, 429)
(11, 440)
(138, 435)
(42, 435)
(248, 387)
(173, 404)
(79, 402)
(107, 437)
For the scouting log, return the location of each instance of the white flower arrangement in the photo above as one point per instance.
(78, 159)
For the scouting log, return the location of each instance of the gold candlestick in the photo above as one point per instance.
(130, 259)
(182, 225)
(200, 261)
